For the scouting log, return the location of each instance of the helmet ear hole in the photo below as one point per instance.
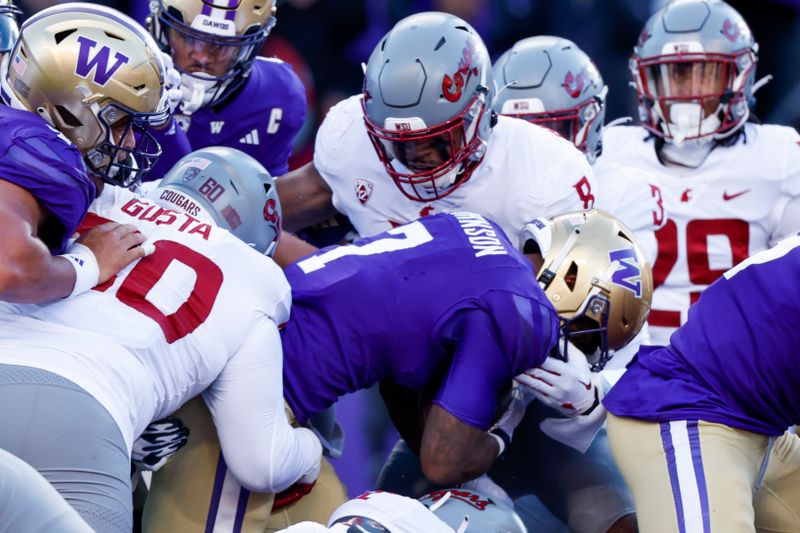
(571, 276)
(60, 36)
(68, 118)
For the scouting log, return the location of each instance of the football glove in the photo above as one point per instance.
(158, 442)
(567, 386)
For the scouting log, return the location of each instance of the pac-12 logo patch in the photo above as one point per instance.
(363, 190)
(628, 274)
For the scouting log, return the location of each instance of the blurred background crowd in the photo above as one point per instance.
(326, 41)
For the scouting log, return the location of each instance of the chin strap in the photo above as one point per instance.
(196, 93)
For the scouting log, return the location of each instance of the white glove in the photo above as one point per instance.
(172, 84)
(567, 386)
(487, 486)
(158, 442)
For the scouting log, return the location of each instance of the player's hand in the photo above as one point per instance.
(115, 246)
(172, 84)
(567, 386)
(159, 441)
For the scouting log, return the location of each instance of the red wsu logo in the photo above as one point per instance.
(730, 30)
(363, 190)
(452, 87)
(574, 84)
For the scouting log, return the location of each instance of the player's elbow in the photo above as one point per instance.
(442, 474)
(261, 475)
(12, 279)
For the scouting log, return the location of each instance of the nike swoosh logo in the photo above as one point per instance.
(727, 197)
(587, 385)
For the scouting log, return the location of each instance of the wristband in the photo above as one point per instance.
(502, 438)
(87, 270)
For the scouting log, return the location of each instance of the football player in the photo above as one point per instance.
(397, 332)
(422, 138)
(551, 82)
(231, 97)
(577, 483)
(697, 427)
(199, 315)
(82, 84)
(732, 185)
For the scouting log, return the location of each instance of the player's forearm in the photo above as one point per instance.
(34, 276)
(263, 451)
(305, 198)
(454, 452)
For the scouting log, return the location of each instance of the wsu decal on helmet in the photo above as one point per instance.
(99, 63)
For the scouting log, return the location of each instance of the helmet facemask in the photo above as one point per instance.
(212, 65)
(694, 97)
(129, 151)
(426, 163)
(572, 124)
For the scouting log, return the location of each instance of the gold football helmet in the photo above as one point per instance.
(596, 276)
(98, 77)
(213, 43)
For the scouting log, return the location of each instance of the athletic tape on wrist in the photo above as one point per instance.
(87, 270)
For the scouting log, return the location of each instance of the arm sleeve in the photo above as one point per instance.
(261, 448)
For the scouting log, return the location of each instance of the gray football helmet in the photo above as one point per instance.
(9, 28)
(229, 188)
(551, 82)
(428, 89)
(468, 511)
(694, 68)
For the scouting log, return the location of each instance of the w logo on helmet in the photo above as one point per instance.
(628, 273)
(99, 62)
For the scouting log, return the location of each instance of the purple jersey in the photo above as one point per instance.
(261, 120)
(446, 295)
(36, 157)
(735, 360)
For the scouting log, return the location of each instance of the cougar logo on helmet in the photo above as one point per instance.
(574, 84)
(99, 63)
(627, 271)
(466, 69)
(730, 30)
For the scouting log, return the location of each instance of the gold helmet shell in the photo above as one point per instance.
(88, 69)
(596, 275)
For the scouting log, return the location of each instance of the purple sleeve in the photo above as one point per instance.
(54, 173)
(493, 343)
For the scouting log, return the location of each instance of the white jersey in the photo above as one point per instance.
(634, 197)
(741, 200)
(199, 313)
(527, 172)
